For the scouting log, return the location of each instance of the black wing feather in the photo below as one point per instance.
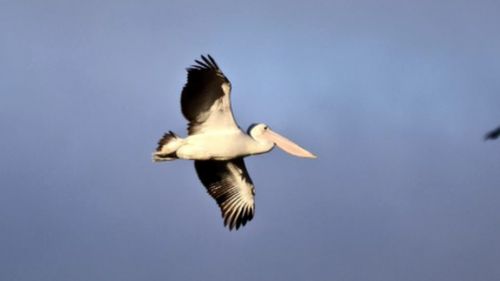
(230, 185)
(202, 90)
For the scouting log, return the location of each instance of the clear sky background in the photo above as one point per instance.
(393, 96)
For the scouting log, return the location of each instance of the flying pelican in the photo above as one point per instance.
(492, 134)
(217, 144)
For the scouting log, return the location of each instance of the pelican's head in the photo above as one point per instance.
(262, 132)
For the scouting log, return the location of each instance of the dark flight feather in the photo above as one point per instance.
(230, 185)
(203, 88)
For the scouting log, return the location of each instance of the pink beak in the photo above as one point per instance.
(287, 145)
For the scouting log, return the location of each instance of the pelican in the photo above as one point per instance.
(217, 144)
(492, 135)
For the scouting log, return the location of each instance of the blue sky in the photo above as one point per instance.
(393, 96)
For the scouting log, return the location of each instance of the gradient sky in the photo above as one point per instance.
(393, 96)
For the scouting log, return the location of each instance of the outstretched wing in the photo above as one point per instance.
(230, 185)
(492, 134)
(205, 99)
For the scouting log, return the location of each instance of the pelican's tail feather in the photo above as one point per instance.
(167, 147)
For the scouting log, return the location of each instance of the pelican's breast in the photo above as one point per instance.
(221, 145)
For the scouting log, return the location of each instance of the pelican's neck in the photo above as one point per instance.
(260, 145)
